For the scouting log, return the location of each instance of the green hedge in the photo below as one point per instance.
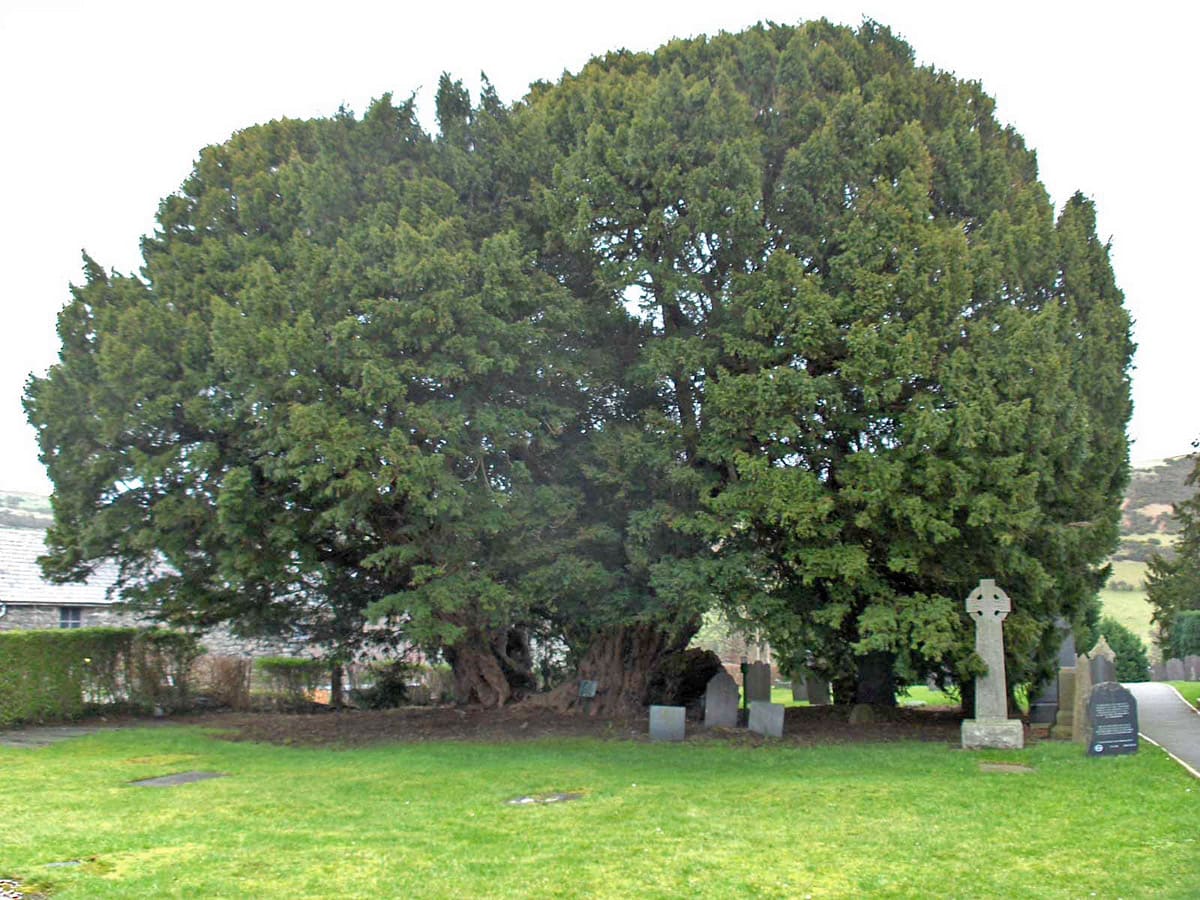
(63, 673)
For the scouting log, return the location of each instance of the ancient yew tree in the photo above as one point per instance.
(774, 321)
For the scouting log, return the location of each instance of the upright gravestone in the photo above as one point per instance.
(1103, 662)
(1114, 730)
(666, 723)
(799, 689)
(1158, 672)
(817, 690)
(721, 701)
(766, 718)
(1064, 719)
(1175, 670)
(758, 682)
(989, 606)
(1044, 710)
(1083, 693)
(1191, 668)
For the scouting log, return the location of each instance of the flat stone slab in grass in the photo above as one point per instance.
(178, 778)
(543, 798)
(1009, 768)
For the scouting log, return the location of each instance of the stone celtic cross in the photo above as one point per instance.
(989, 606)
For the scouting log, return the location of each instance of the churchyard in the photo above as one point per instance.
(714, 816)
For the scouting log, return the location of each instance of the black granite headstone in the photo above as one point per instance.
(1114, 721)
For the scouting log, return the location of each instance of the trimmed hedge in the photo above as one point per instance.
(63, 673)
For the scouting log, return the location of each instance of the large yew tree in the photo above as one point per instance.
(777, 320)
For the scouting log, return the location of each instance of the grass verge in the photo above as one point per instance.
(703, 819)
(1190, 691)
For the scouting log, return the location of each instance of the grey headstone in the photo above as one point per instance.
(1044, 709)
(1103, 662)
(721, 701)
(587, 689)
(1114, 723)
(1066, 650)
(1191, 668)
(666, 723)
(799, 690)
(758, 682)
(1175, 670)
(1158, 672)
(818, 691)
(1103, 670)
(766, 718)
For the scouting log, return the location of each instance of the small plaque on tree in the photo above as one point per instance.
(1114, 721)
(587, 689)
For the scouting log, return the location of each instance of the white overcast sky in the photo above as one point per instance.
(108, 103)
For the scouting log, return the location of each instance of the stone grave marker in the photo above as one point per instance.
(666, 723)
(1191, 668)
(1083, 693)
(766, 718)
(176, 779)
(1158, 672)
(989, 606)
(1045, 709)
(1103, 662)
(721, 701)
(758, 682)
(1064, 718)
(1114, 724)
(799, 689)
(1175, 670)
(818, 691)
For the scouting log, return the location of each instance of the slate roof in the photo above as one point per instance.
(21, 581)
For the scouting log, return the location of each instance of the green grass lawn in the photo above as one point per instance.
(1189, 689)
(700, 819)
(1131, 609)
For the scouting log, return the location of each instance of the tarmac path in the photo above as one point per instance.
(1169, 721)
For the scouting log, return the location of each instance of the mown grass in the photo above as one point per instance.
(700, 819)
(1131, 609)
(1189, 689)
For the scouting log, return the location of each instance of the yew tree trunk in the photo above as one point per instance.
(622, 662)
(491, 668)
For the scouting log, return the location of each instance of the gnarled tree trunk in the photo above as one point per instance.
(621, 661)
(491, 668)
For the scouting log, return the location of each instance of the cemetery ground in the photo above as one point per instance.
(416, 803)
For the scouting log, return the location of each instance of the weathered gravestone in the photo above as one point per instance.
(817, 690)
(666, 723)
(799, 689)
(1044, 710)
(989, 606)
(1158, 672)
(758, 682)
(1191, 668)
(1064, 719)
(1114, 725)
(721, 701)
(1175, 670)
(1103, 662)
(766, 718)
(1083, 693)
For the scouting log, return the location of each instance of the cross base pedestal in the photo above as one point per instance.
(1001, 734)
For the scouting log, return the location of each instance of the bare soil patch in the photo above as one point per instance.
(803, 726)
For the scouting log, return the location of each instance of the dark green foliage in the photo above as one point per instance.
(1132, 662)
(389, 687)
(62, 673)
(1185, 634)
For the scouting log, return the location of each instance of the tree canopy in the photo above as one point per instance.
(776, 322)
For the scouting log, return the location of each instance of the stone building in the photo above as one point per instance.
(29, 601)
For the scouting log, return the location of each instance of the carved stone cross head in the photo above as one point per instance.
(988, 602)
